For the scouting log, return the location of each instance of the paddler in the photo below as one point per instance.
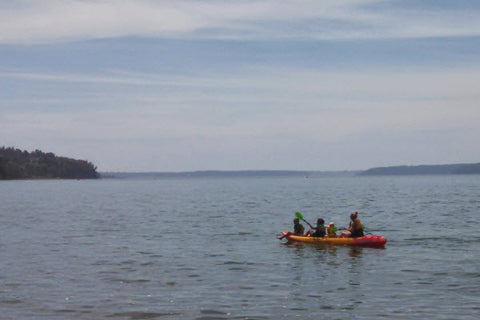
(298, 229)
(355, 229)
(319, 229)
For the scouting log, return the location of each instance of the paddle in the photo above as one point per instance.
(363, 227)
(299, 216)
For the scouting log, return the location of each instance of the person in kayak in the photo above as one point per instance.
(319, 229)
(298, 229)
(355, 229)
(331, 230)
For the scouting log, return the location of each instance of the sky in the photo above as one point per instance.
(193, 85)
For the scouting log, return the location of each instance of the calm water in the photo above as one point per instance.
(207, 249)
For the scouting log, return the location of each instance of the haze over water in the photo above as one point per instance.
(206, 248)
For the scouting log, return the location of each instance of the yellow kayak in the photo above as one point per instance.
(366, 241)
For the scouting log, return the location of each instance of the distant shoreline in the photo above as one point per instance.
(449, 169)
(16, 164)
(225, 174)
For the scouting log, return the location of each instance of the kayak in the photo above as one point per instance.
(366, 241)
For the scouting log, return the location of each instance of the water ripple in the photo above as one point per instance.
(206, 249)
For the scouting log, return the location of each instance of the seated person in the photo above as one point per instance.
(298, 229)
(331, 230)
(355, 229)
(319, 229)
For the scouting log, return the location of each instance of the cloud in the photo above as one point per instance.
(279, 101)
(390, 83)
(30, 22)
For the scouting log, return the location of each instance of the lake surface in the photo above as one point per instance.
(205, 248)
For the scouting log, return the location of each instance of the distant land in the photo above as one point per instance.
(16, 164)
(226, 174)
(463, 168)
(473, 168)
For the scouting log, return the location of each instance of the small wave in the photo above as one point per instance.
(213, 315)
(449, 239)
(145, 253)
(238, 263)
(236, 269)
(135, 315)
(10, 301)
(194, 276)
(213, 312)
(128, 280)
(233, 262)
(246, 288)
(244, 233)
(216, 217)
(66, 311)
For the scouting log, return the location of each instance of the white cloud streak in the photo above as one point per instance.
(321, 102)
(31, 22)
(392, 83)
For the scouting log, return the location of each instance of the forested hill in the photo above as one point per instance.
(18, 164)
(465, 168)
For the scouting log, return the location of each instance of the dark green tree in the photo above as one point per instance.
(18, 164)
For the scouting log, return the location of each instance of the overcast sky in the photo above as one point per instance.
(242, 84)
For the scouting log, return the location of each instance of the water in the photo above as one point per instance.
(207, 249)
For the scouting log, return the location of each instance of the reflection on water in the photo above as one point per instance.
(338, 278)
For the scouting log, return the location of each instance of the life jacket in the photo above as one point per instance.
(332, 232)
(320, 232)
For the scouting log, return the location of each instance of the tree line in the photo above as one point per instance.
(461, 168)
(18, 164)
